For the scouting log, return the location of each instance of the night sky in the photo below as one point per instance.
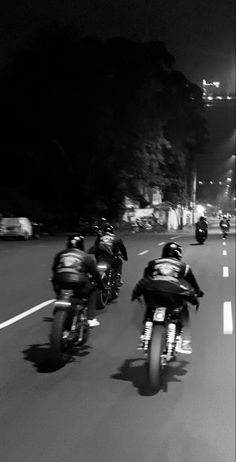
(199, 33)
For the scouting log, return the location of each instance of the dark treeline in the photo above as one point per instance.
(86, 122)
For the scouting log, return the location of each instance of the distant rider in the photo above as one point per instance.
(224, 222)
(170, 282)
(201, 224)
(108, 248)
(71, 269)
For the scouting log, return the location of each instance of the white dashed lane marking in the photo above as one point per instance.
(25, 313)
(227, 318)
(224, 252)
(161, 243)
(224, 243)
(225, 271)
(144, 251)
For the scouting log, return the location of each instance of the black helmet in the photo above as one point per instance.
(76, 242)
(202, 218)
(107, 228)
(172, 249)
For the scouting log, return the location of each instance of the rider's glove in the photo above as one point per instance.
(197, 306)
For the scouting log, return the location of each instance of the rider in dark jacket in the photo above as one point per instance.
(71, 269)
(202, 224)
(224, 222)
(170, 282)
(108, 248)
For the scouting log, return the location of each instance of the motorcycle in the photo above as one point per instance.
(110, 281)
(225, 230)
(162, 341)
(201, 236)
(70, 328)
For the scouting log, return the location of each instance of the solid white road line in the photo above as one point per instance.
(225, 271)
(142, 253)
(224, 252)
(161, 243)
(227, 318)
(25, 313)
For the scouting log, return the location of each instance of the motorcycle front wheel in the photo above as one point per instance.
(60, 348)
(154, 356)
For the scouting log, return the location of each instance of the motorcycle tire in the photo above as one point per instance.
(103, 296)
(110, 283)
(154, 357)
(201, 241)
(60, 353)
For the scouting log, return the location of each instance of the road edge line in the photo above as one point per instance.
(25, 313)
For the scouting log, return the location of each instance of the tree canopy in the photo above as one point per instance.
(87, 122)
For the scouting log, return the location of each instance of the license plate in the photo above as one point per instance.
(159, 314)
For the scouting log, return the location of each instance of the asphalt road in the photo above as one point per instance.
(99, 407)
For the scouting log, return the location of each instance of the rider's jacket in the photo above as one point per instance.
(201, 224)
(166, 275)
(111, 245)
(74, 265)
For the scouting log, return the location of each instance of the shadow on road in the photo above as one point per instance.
(172, 371)
(135, 371)
(47, 319)
(195, 243)
(39, 355)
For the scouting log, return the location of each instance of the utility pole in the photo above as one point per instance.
(194, 191)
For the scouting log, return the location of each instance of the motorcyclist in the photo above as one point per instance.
(71, 269)
(170, 282)
(108, 248)
(201, 224)
(224, 222)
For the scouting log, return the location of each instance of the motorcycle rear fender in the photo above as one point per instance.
(61, 305)
(102, 266)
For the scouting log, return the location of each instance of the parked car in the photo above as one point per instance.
(15, 227)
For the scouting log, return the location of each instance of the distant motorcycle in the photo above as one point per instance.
(162, 340)
(70, 328)
(201, 236)
(225, 230)
(110, 281)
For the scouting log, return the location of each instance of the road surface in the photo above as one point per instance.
(99, 407)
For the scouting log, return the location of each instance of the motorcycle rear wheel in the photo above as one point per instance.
(103, 296)
(154, 356)
(201, 241)
(60, 352)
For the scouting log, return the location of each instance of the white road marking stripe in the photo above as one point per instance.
(227, 318)
(25, 313)
(224, 252)
(142, 253)
(224, 243)
(175, 237)
(225, 271)
(161, 243)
